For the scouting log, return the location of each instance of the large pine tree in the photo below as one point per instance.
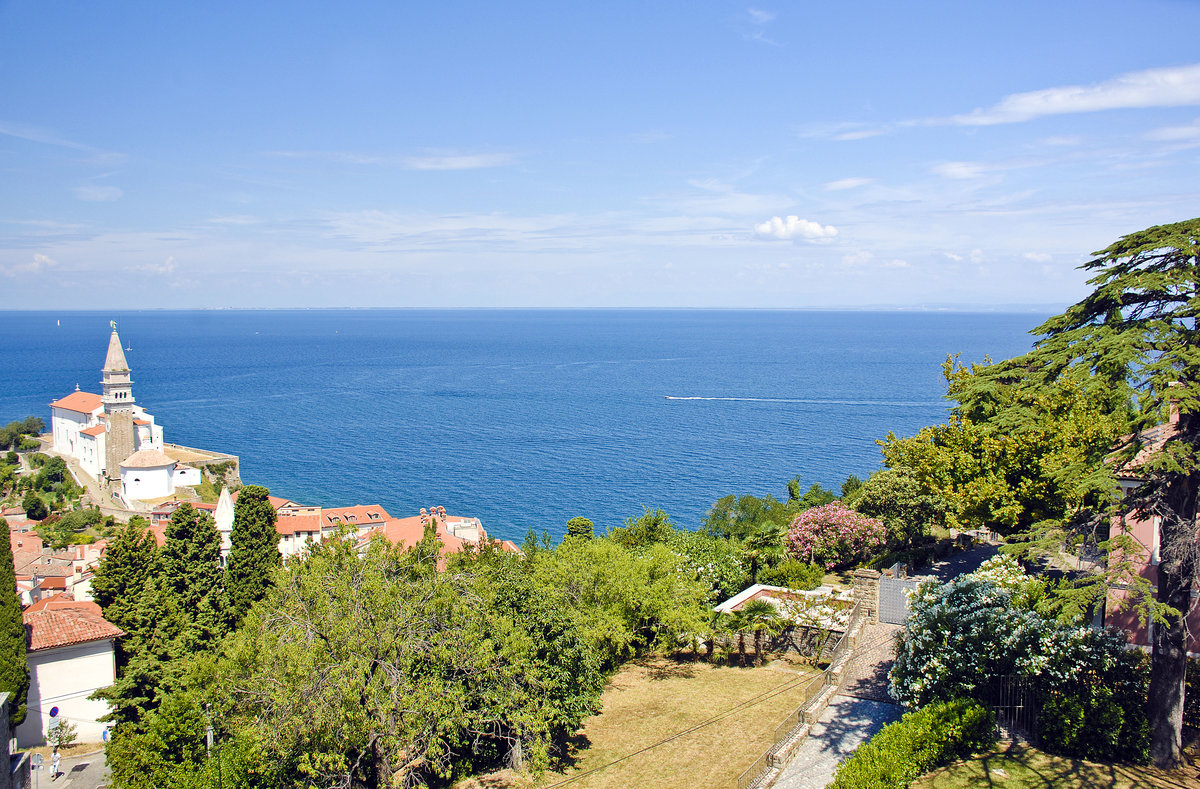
(253, 554)
(1139, 327)
(14, 671)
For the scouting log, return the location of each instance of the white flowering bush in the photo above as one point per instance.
(959, 635)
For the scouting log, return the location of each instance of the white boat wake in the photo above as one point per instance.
(806, 401)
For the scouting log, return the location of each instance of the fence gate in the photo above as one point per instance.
(1013, 701)
(893, 598)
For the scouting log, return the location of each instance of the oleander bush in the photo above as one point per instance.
(793, 574)
(919, 742)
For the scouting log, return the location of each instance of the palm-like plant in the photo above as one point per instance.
(761, 617)
(763, 545)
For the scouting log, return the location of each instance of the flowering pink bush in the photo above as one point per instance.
(834, 535)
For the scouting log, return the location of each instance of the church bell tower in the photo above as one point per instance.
(117, 399)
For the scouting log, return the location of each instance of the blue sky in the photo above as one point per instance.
(673, 154)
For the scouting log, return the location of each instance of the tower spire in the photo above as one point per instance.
(117, 398)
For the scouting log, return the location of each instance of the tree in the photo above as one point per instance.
(253, 553)
(14, 671)
(128, 563)
(35, 508)
(191, 567)
(894, 496)
(654, 526)
(61, 735)
(581, 527)
(739, 516)
(1138, 330)
(760, 616)
(764, 545)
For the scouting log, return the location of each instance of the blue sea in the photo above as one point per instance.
(522, 418)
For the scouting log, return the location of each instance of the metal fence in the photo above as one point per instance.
(755, 775)
(1014, 702)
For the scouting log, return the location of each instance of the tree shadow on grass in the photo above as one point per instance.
(660, 668)
(568, 755)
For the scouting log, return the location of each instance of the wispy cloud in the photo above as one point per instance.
(847, 183)
(793, 227)
(1177, 134)
(47, 137)
(1038, 257)
(438, 160)
(1160, 87)
(758, 20)
(462, 161)
(95, 193)
(166, 268)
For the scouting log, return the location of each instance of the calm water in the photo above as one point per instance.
(522, 418)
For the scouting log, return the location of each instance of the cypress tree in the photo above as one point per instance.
(128, 562)
(253, 554)
(14, 670)
(191, 566)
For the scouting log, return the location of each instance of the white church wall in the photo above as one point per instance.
(186, 475)
(141, 484)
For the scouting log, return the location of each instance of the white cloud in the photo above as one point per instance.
(168, 266)
(465, 161)
(959, 170)
(1189, 133)
(794, 227)
(897, 263)
(35, 265)
(859, 134)
(760, 17)
(847, 183)
(953, 256)
(976, 255)
(94, 193)
(1063, 141)
(1038, 257)
(857, 258)
(1160, 87)
(443, 160)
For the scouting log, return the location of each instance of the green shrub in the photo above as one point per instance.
(1099, 715)
(793, 574)
(920, 741)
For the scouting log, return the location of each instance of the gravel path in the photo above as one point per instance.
(846, 723)
(866, 676)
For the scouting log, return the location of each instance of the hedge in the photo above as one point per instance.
(920, 741)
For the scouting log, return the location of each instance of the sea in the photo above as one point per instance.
(523, 418)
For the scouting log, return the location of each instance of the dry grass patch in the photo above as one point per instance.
(658, 698)
(1022, 767)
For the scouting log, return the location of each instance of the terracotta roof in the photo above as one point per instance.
(26, 540)
(276, 502)
(65, 625)
(94, 430)
(1152, 440)
(359, 515)
(141, 421)
(147, 458)
(292, 524)
(81, 402)
(63, 600)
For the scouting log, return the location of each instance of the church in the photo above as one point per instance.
(113, 439)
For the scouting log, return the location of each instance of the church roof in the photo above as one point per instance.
(80, 402)
(147, 458)
(94, 430)
(115, 361)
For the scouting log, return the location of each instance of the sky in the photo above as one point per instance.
(616, 154)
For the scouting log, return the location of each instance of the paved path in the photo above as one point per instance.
(88, 771)
(846, 723)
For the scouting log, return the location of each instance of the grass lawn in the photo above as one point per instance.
(657, 698)
(1022, 767)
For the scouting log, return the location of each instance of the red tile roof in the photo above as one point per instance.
(63, 600)
(26, 540)
(363, 515)
(94, 430)
(293, 524)
(63, 625)
(81, 402)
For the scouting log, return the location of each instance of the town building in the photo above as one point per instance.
(70, 657)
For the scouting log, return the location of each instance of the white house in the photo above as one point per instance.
(70, 658)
